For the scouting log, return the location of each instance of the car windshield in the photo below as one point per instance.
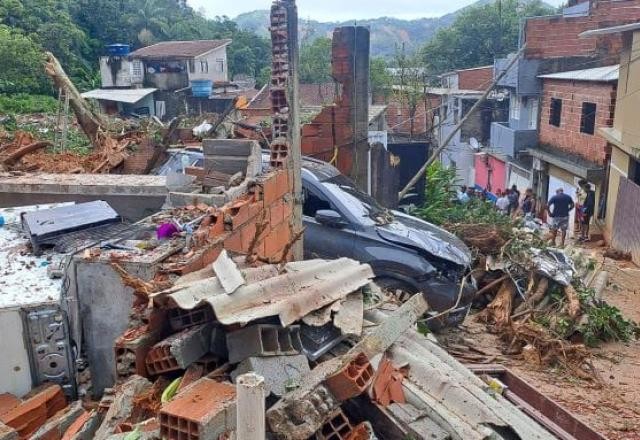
(359, 203)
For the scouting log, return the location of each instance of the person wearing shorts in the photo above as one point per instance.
(558, 208)
(588, 208)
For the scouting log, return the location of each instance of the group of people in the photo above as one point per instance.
(511, 202)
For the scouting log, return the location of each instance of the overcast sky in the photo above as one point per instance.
(340, 10)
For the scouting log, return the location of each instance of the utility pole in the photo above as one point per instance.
(285, 146)
(472, 110)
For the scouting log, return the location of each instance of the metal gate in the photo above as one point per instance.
(626, 221)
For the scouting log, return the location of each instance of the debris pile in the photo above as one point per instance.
(537, 298)
(332, 354)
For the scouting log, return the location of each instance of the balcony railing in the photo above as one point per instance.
(510, 141)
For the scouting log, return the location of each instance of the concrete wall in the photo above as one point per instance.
(119, 72)
(618, 167)
(626, 116)
(567, 137)
(218, 68)
(15, 371)
(490, 172)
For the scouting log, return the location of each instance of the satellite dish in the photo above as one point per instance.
(474, 143)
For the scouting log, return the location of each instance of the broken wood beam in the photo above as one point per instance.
(17, 155)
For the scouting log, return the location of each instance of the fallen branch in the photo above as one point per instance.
(573, 303)
(491, 285)
(17, 155)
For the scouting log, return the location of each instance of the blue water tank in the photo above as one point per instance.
(118, 50)
(201, 88)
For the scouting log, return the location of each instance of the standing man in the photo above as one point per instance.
(588, 209)
(559, 216)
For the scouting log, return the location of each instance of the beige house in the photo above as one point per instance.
(622, 222)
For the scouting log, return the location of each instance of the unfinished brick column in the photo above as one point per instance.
(350, 67)
(285, 146)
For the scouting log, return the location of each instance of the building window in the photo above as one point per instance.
(588, 119)
(515, 108)
(220, 65)
(555, 112)
(192, 66)
(204, 66)
(136, 69)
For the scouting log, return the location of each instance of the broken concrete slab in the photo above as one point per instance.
(349, 317)
(122, 405)
(281, 373)
(228, 273)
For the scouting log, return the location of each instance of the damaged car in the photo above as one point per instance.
(408, 255)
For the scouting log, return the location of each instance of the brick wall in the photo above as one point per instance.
(475, 79)
(398, 115)
(557, 36)
(568, 137)
(267, 206)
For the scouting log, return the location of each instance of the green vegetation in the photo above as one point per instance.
(23, 103)
(76, 32)
(441, 206)
(315, 61)
(479, 35)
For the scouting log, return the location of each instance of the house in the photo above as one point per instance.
(165, 79)
(622, 187)
(461, 89)
(552, 47)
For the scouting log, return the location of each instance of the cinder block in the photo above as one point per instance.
(205, 410)
(218, 343)
(352, 380)
(180, 319)
(179, 351)
(281, 373)
(131, 350)
(263, 340)
(337, 427)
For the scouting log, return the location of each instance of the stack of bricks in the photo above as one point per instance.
(28, 415)
(280, 75)
(567, 137)
(557, 35)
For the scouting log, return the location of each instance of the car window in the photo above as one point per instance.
(314, 202)
(361, 205)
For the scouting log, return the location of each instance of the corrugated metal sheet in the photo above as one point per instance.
(626, 221)
(129, 96)
(597, 74)
(302, 288)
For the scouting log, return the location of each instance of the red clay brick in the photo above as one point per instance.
(76, 426)
(8, 402)
(387, 384)
(239, 211)
(276, 240)
(352, 380)
(233, 242)
(277, 211)
(204, 410)
(31, 414)
(338, 427)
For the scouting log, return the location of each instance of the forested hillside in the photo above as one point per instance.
(76, 31)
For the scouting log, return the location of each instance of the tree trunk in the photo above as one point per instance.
(16, 155)
(88, 120)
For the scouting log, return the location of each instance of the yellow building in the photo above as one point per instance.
(622, 218)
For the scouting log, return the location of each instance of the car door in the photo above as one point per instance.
(321, 241)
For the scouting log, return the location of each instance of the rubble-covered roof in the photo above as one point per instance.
(597, 74)
(128, 96)
(24, 277)
(179, 49)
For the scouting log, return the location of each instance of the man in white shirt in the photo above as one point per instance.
(503, 202)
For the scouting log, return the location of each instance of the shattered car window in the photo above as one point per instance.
(361, 205)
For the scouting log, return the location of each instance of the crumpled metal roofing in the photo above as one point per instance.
(300, 289)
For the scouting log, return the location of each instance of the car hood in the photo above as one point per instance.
(410, 231)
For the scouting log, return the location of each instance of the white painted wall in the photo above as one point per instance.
(131, 73)
(212, 66)
(15, 372)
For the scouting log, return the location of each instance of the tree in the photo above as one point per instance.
(315, 61)
(411, 83)
(479, 35)
(380, 79)
(22, 66)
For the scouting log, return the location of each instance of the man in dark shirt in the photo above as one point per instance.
(559, 216)
(588, 209)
